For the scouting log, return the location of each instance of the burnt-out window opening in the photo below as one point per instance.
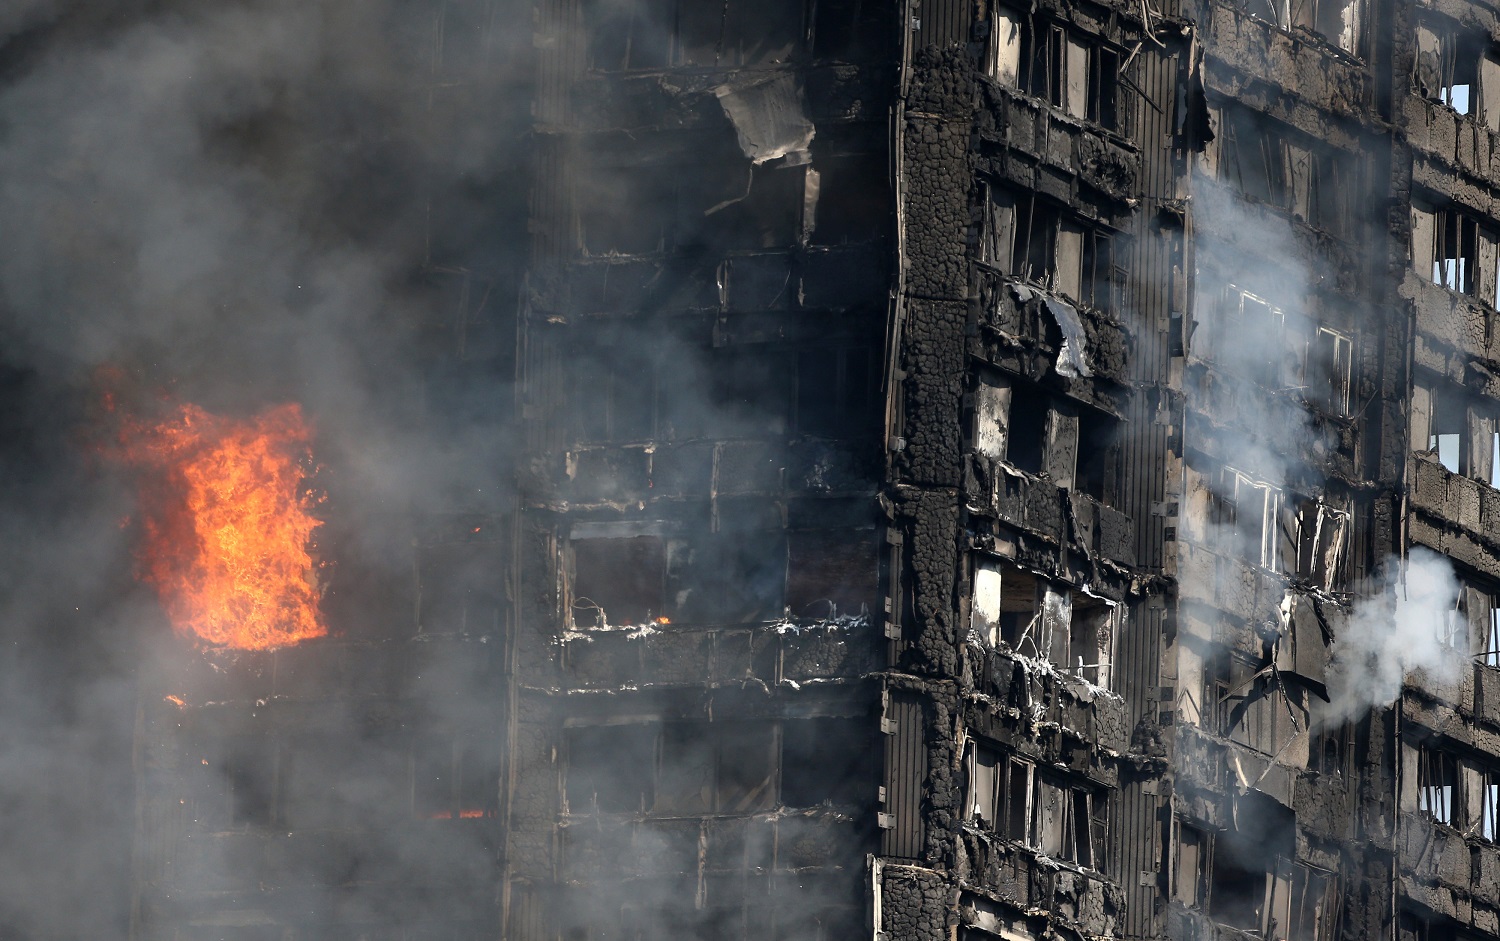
(614, 397)
(838, 392)
(831, 573)
(652, 34)
(854, 202)
(729, 577)
(1458, 68)
(1438, 786)
(1253, 156)
(1490, 625)
(690, 768)
(729, 205)
(1488, 782)
(1322, 534)
(618, 580)
(1329, 368)
(1044, 59)
(991, 415)
(825, 760)
(1244, 515)
(1302, 903)
(460, 588)
(1098, 455)
(1272, 164)
(1034, 240)
(611, 768)
(1255, 330)
(1190, 856)
(1254, 708)
(237, 784)
(850, 30)
(1072, 630)
(626, 210)
(1451, 249)
(1328, 750)
(1025, 444)
(1255, 886)
(1341, 22)
(1091, 639)
(1010, 797)
(454, 778)
(1459, 432)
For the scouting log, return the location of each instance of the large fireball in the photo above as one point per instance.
(228, 525)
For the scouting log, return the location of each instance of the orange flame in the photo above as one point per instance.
(228, 526)
(177, 701)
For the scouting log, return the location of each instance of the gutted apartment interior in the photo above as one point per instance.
(948, 441)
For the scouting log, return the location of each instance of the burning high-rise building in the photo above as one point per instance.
(794, 469)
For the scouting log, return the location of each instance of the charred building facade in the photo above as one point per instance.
(973, 469)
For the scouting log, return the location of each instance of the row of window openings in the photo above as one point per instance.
(1012, 798)
(1077, 448)
(735, 767)
(1260, 159)
(1465, 437)
(1459, 69)
(1066, 69)
(1073, 631)
(1260, 524)
(727, 578)
(1456, 793)
(1279, 349)
(625, 396)
(655, 34)
(727, 205)
(1282, 901)
(1035, 240)
(258, 782)
(1451, 249)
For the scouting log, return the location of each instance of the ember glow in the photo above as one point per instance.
(228, 526)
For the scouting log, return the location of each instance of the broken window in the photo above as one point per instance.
(646, 34)
(831, 573)
(1301, 903)
(736, 576)
(1338, 21)
(1489, 805)
(615, 394)
(618, 581)
(611, 768)
(626, 210)
(1253, 156)
(1322, 534)
(1043, 58)
(1244, 517)
(454, 778)
(1025, 444)
(1457, 68)
(991, 414)
(1330, 362)
(826, 760)
(1490, 625)
(853, 204)
(1451, 249)
(237, 784)
(1437, 785)
(838, 392)
(1035, 241)
(1009, 796)
(1461, 434)
(460, 587)
(1190, 865)
(846, 30)
(1098, 455)
(988, 594)
(1252, 330)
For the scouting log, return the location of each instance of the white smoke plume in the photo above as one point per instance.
(1411, 625)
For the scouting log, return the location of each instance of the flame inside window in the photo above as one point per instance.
(228, 526)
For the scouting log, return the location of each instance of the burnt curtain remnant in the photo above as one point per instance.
(896, 469)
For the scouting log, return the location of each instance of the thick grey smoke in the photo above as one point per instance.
(1411, 625)
(234, 204)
